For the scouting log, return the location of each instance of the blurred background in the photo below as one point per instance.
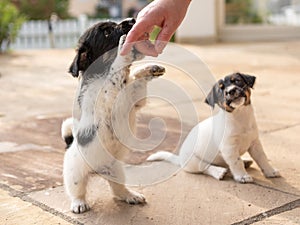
(31, 24)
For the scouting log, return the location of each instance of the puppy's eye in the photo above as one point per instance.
(237, 81)
(106, 33)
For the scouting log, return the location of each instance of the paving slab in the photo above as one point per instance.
(184, 199)
(282, 148)
(14, 210)
(286, 218)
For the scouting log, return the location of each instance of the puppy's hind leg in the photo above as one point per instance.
(216, 172)
(121, 192)
(197, 165)
(75, 179)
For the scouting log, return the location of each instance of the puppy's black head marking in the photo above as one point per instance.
(240, 80)
(230, 90)
(97, 40)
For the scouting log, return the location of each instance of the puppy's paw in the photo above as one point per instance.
(244, 179)
(220, 173)
(156, 70)
(79, 206)
(216, 172)
(135, 198)
(132, 197)
(272, 174)
(133, 55)
(149, 71)
(121, 42)
(136, 55)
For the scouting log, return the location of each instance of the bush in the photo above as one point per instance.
(241, 12)
(10, 24)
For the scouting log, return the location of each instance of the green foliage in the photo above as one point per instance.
(42, 9)
(241, 11)
(101, 12)
(10, 24)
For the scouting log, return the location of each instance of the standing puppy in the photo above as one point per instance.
(220, 140)
(92, 143)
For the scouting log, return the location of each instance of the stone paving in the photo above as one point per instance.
(37, 94)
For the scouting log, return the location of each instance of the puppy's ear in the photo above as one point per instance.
(79, 60)
(250, 80)
(211, 98)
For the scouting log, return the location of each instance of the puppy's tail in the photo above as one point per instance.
(66, 131)
(167, 156)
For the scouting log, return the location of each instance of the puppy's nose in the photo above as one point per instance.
(234, 92)
(231, 92)
(128, 21)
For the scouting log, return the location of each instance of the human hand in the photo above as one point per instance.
(166, 14)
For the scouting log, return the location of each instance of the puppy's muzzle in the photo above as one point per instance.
(127, 24)
(234, 94)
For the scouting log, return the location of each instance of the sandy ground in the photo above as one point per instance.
(36, 94)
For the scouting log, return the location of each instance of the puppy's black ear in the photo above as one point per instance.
(211, 98)
(250, 80)
(74, 68)
(79, 60)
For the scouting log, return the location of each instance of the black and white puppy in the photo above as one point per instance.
(92, 144)
(220, 140)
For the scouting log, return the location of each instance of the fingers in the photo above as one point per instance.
(136, 37)
(135, 34)
(126, 48)
(131, 38)
(162, 39)
(146, 47)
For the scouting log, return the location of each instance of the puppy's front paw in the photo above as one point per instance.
(156, 70)
(79, 206)
(272, 174)
(133, 55)
(132, 197)
(121, 42)
(149, 71)
(244, 179)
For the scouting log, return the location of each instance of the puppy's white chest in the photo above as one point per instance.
(240, 129)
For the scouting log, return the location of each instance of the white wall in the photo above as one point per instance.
(78, 7)
(199, 24)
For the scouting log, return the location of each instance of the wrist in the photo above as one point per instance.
(184, 3)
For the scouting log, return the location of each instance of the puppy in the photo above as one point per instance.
(224, 137)
(92, 144)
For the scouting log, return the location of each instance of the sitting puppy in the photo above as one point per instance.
(224, 137)
(92, 145)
